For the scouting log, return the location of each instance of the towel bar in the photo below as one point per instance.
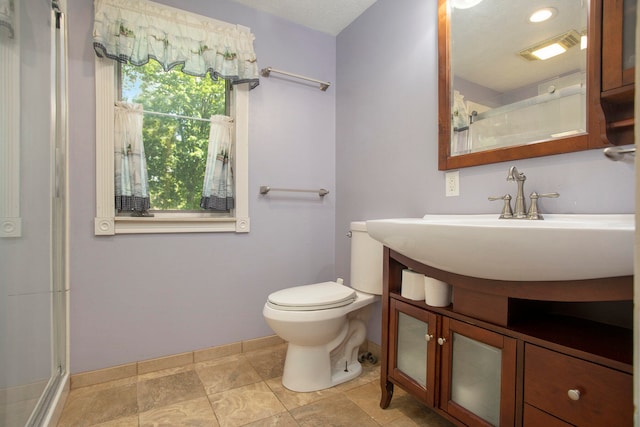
(321, 192)
(266, 72)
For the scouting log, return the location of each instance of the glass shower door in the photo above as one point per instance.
(33, 141)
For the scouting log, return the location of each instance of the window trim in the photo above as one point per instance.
(106, 223)
(10, 219)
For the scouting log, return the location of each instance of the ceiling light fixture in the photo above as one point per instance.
(551, 47)
(464, 4)
(543, 14)
(549, 51)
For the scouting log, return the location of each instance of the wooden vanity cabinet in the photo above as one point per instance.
(518, 368)
(478, 374)
(413, 364)
(574, 390)
(459, 368)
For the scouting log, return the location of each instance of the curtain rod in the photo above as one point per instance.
(266, 72)
(176, 116)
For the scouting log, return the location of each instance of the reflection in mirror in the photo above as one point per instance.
(516, 77)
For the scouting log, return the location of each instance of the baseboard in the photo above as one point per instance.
(84, 379)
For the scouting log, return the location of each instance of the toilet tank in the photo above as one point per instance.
(366, 260)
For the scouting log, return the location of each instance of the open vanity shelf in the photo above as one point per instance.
(563, 350)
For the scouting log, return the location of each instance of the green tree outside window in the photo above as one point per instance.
(176, 148)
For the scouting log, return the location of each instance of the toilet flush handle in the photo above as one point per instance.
(349, 234)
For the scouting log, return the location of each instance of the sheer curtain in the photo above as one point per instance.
(131, 182)
(217, 190)
(136, 31)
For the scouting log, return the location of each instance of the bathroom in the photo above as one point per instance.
(371, 139)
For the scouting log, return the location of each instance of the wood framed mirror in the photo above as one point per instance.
(574, 87)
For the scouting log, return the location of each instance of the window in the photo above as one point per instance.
(108, 223)
(175, 131)
(140, 32)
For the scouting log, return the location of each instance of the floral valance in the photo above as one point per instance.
(6, 17)
(135, 31)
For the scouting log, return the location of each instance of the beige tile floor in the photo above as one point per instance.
(239, 390)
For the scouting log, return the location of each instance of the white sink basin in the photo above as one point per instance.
(560, 247)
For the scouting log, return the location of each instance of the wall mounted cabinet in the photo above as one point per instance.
(618, 68)
(510, 353)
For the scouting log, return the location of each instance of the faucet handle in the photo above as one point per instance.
(533, 209)
(506, 209)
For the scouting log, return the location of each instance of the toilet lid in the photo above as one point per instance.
(318, 296)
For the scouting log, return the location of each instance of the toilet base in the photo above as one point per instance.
(298, 376)
(312, 368)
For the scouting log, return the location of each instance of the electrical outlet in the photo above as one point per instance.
(452, 184)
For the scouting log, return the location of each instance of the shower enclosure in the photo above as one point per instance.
(33, 214)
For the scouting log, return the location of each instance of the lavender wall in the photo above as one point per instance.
(371, 139)
(144, 296)
(387, 136)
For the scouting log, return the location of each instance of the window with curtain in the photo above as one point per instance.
(176, 112)
(177, 150)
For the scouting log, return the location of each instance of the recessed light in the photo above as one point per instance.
(543, 14)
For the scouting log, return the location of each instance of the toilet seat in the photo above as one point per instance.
(319, 296)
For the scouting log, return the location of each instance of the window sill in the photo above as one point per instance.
(175, 224)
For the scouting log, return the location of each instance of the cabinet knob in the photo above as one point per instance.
(574, 394)
(441, 341)
(428, 337)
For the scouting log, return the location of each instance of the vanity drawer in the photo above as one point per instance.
(603, 398)
(534, 417)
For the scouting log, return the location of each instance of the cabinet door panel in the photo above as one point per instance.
(618, 43)
(412, 364)
(478, 375)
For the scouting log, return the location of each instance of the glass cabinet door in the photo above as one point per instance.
(629, 35)
(618, 43)
(412, 348)
(477, 366)
(412, 359)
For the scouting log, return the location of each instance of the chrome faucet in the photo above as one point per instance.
(520, 210)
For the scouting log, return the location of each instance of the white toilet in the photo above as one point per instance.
(325, 323)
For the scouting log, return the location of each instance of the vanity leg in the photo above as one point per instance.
(387, 394)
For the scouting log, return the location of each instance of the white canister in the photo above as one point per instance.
(412, 285)
(436, 292)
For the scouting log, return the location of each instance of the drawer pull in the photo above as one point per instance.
(574, 394)
(428, 337)
(441, 341)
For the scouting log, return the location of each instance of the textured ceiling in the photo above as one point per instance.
(327, 16)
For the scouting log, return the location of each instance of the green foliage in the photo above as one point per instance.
(176, 149)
